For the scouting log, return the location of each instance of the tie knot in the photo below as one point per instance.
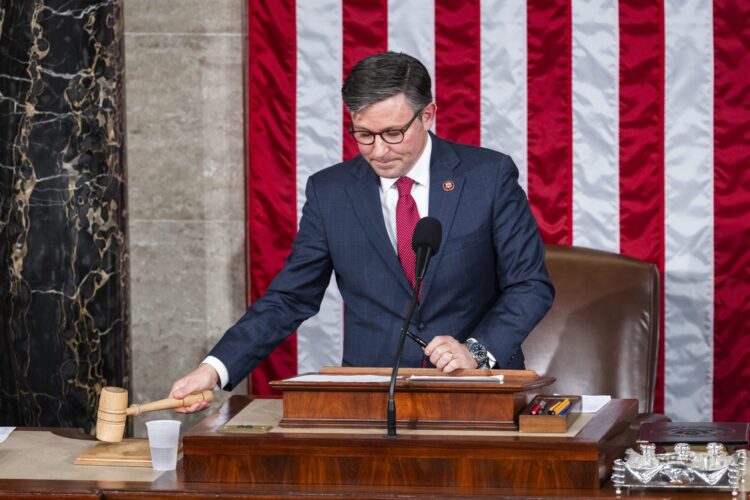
(404, 185)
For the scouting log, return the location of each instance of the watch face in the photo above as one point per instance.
(479, 352)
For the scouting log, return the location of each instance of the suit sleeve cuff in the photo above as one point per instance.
(217, 365)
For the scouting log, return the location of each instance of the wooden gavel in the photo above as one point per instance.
(114, 409)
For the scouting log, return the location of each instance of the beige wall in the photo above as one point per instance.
(183, 67)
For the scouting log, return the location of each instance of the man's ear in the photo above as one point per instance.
(428, 115)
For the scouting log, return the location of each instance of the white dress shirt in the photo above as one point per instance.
(420, 191)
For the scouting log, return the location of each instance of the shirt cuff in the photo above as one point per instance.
(217, 365)
(491, 360)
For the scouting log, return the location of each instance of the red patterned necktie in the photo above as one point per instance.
(407, 216)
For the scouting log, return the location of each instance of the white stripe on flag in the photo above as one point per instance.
(411, 29)
(319, 144)
(688, 169)
(596, 195)
(503, 80)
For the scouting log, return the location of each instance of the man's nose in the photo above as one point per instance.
(379, 147)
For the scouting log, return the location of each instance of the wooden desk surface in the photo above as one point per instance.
(172, 485)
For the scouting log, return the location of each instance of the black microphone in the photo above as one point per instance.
(426, 242)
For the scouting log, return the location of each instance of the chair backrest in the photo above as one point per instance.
(602, 334)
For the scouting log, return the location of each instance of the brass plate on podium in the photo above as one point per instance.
(443, 403)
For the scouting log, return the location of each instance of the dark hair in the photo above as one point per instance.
(380, 76)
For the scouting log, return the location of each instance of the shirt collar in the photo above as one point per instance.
(420, 172)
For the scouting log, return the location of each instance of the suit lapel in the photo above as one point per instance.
(364, 194)
(446, 185)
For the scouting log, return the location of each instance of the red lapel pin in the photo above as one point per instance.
(448, 186)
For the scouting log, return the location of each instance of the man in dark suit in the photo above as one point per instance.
(485, 289)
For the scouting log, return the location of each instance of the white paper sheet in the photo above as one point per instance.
(479, 378)
(592, 404)
(5, 432)
(340, 378)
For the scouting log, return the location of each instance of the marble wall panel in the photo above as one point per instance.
(186, 187)
(63, 231)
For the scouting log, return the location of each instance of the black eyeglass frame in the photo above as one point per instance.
(401, 131)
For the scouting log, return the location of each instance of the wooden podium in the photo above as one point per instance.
(467, 460)
(445, 402)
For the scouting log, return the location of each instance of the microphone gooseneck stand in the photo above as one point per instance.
(425, 243)
(394, 373)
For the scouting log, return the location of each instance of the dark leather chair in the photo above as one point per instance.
(602, 334)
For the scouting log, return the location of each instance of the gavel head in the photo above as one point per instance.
(111, 414)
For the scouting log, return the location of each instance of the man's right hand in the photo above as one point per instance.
(202, 378)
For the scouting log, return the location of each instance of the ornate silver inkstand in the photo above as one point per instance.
(683, 468)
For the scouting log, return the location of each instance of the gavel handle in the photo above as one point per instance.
(166, 404)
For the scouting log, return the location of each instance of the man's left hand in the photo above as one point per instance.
(448, 354)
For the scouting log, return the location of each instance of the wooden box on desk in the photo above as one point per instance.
(544, 422)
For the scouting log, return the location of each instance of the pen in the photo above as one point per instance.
(565, 410)
(562, 405)
(416, 339)
(536, 408)
(553, 408)
(542, 406)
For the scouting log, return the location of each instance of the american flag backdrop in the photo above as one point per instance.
(629, 122)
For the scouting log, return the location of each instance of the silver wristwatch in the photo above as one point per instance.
(478, 352)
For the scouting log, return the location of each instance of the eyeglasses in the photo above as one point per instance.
(391, 136)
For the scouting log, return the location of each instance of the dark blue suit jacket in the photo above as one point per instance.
(488, 280)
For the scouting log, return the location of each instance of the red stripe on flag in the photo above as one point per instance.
(271, 189)
(457, 70)
(365, 26)
(550, 118)
(731, 209)
(642, 143)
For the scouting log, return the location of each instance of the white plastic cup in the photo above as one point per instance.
(163, 440)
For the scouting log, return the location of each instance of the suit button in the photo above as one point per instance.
(422, 327)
